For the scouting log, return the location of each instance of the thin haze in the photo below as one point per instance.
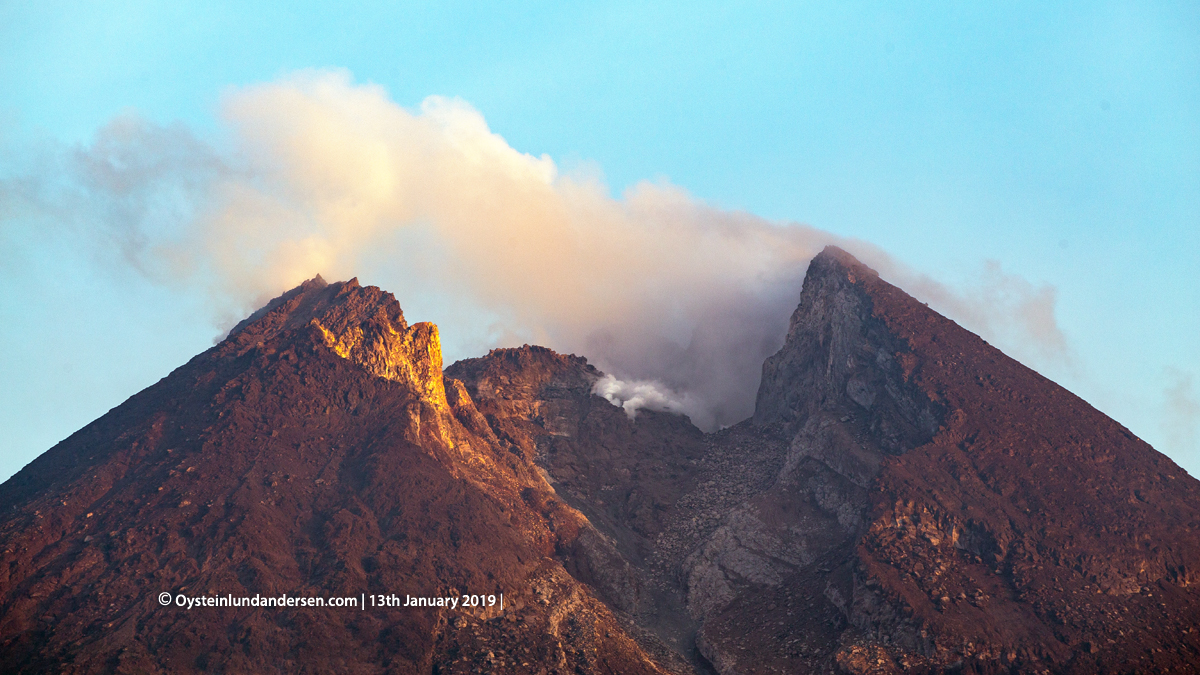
(678, 300)
(1182, 420)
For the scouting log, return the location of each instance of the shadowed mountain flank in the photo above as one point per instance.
(905, 498)
(992, 520)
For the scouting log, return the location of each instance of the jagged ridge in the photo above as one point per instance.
(905, 498)
(314, 452)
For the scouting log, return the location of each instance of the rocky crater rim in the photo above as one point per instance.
(366, 325)
(362, 324)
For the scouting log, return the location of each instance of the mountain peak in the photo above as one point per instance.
(317, 282)
(833, 258)
(836, 263)
(840, 351)
(310, 454)
(906, 498)
(960, 459)
(363, 324)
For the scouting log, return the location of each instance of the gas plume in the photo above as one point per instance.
(678, 300)
(1182, 414)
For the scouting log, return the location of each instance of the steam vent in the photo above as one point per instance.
(905, 498)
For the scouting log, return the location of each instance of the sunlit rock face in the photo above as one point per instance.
(362, 324)
(905, 498)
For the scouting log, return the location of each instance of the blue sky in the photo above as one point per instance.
(1061, 141)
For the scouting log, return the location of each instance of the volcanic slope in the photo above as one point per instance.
(318, 451)
(906, 498)
(995, 521)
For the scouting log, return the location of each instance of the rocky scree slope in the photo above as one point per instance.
(317, 451)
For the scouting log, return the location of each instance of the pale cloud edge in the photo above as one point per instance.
(679, 301)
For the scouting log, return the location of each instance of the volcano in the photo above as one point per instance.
(317, 494)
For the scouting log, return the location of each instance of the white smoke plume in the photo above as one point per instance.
(637, 394)
(678, 300)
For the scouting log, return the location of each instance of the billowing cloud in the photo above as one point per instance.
(680, 301)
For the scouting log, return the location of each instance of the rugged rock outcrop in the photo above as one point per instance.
(1031, 531)
(627, 475)
(313, 453)
(905, 499)
(977, 516)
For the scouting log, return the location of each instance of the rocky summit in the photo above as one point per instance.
(317, 494)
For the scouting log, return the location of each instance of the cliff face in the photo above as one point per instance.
(905, 498)
(313, 453)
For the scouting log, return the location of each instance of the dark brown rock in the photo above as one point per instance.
(905, 499)
(992, 521)
(314, 452)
